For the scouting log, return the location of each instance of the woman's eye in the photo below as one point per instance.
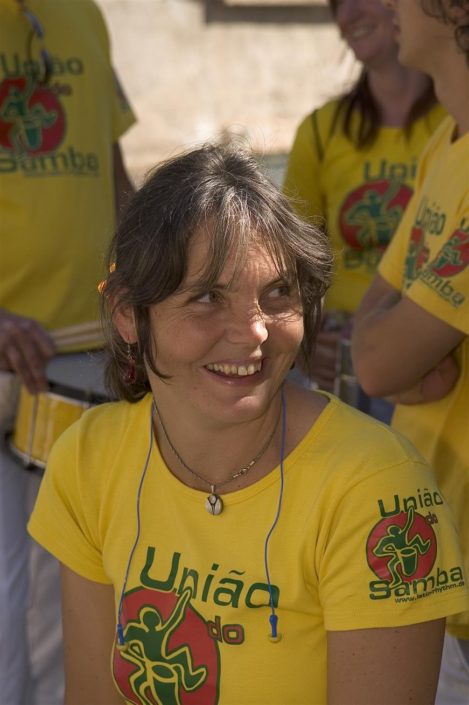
(208, 297)
(279, 291)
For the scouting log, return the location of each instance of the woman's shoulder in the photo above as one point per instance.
(339, 432)
(320, 118)
(106, 425)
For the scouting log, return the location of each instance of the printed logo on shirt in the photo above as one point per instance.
(172, 651)
(451, 259)
(368, 219)
(401, 550)
(169, 657)
(33, 126)
(417, 255)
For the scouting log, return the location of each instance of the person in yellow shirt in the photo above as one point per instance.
(353, 164)
(226, 537)
(411, 338)
(62, 179)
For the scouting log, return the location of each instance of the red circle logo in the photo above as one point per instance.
(169, 656)
(453, 256)
(32, 119)
(370, 214)
(402, 548)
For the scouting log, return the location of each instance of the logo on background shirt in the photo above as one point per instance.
(32, 120)
(370, 214)
(33, 126)
(417, 255)
(169, 658)
(451, 259)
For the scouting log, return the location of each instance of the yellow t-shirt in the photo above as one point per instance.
(56, 171)
(429, 261)
(361, 194)
(364, 539)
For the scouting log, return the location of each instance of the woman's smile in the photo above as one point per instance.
(226, 350)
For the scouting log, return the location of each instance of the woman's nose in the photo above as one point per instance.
(247, 327)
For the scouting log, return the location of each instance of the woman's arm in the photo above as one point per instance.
(89, 629)
(392, 666)
(396, 343)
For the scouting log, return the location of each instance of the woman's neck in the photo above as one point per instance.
(193, 449)
(395, 89)
(452, 88)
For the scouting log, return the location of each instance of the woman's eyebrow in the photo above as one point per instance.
(198, 285)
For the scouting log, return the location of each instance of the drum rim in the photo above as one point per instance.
(29, 461)
(73, 393)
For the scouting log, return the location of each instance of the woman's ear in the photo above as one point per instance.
(124, 320)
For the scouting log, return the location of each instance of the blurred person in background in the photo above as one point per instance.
(62, 180)
(411, 331)
(353, 163)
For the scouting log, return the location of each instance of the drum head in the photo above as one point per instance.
(79, 376)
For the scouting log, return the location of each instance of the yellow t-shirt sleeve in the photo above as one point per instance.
(448, 301)
(391, 556)
(122, 114)
(302, 178)
(392, 264)
(61, 517)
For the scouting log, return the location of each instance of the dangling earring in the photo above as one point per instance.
(130, 373)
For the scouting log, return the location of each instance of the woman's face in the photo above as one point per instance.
(229, 348)
(422, 37)
(367, 27)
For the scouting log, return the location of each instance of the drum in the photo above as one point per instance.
(75, 384)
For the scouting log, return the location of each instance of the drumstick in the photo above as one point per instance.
(81, 334)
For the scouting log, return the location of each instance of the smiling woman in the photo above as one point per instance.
(224, 533)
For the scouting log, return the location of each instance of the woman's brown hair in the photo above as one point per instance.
(223, 191)
(456, 13)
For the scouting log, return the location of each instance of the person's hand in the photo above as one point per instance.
(25, 348)
(436, 384)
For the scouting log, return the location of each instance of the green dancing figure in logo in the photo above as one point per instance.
(160, 671)
(404, 552)
(376, 220)
(27, 122)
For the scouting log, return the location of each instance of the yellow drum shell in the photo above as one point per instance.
(40, 420)
(75, 384)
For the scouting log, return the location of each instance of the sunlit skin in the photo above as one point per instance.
(366, 26)
(251, 321)
(226, 350)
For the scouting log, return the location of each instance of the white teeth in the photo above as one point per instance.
(359, 32)
(235, 370)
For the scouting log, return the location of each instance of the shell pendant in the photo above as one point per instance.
(213, 503)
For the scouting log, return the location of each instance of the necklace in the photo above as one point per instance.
(214, 503)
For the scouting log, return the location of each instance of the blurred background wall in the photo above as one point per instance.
(201, 69)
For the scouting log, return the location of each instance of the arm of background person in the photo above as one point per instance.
(396, 344)
(25, 348)
(397, 666)
(123, 187)
(89, 630)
